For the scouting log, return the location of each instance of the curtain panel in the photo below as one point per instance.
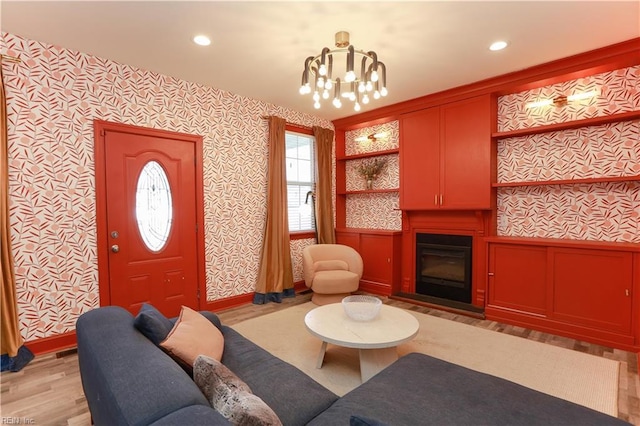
(275, 274)
(324, 202)
(14, 354)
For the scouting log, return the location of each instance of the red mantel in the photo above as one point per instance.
(474, 223)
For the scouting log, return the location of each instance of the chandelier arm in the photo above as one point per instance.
(330, 71)
(363, 67)
(374, 56)
(383, 68)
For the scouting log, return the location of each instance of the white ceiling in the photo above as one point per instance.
(258, 48)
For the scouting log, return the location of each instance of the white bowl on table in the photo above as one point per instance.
(361, 308)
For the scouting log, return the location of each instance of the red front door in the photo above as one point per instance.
(150, 228)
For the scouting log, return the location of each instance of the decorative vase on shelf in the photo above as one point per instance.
(369, 183)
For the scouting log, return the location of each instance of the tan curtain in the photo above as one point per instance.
(11, 340)
(275, 276)
(324, 202)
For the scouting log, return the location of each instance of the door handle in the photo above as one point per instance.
(115, 248)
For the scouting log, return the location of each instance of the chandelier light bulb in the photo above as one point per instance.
(316, 96)
(325, 94)
(352, 96)
(328, 85)
(376, 95)
(356, 106)
(369, 86)
(361, 87)
(365, 99)
(350, 76)
(322, 70)
(302, 90)
(383, 91)
(320, 82)
(374, 76)
(316, 105)
(337, 103)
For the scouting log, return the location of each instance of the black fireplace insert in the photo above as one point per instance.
(443, 266)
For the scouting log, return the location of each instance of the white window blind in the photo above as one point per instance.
(300, 179)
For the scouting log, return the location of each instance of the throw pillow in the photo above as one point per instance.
(230, 396)
(193, 335)
(330, 265)
(152, 323)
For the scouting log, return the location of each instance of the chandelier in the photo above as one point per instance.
(357, 87)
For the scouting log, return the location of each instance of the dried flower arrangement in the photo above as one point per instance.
(370, 169)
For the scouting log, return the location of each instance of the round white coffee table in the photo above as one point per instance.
(376, 340)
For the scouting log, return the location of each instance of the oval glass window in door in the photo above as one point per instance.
(154, 211)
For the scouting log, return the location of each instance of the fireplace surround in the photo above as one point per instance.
(443, 266)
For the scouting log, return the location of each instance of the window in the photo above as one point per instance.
(300, 180)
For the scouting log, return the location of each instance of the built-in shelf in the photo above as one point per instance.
(562, 242)
(369, 154)
(568, 181)
(595, 121)
(368, 191)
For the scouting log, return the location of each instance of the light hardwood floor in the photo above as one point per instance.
(48, 391)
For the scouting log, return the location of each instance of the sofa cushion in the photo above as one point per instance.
(229, 395)
(295, 397)
(364, 421)
(192, 415)
(330, 265)
(193, 335)
(418, 387)
(152, 323)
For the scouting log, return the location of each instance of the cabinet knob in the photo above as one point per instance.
(435, 199)
(490, 274)
(626, 292)
(440, 199)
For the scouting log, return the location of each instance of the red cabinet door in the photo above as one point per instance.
(519, 280)
(420, 160)
(465, 154)
(593, 288)
(377, 255)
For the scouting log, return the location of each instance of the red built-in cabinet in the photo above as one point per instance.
(581, 289)
(445, 156)
(380, 251)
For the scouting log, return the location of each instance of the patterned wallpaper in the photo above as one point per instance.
(617, 91)
(599, 211)
(53, 96)
(588, 152)
(373, 210)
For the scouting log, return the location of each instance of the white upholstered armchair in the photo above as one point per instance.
(332, 271)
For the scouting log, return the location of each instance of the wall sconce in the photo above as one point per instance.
(372, 137)
(560, 101)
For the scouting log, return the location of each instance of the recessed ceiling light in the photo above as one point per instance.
(202, 40)
(498, 45)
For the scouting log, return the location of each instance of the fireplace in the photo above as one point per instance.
(443, 266)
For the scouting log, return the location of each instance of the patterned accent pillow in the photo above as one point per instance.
(193, 335)
(230, 396)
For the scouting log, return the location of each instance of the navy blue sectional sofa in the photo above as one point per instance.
(128, 380)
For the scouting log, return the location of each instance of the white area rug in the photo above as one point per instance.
(581, 378)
